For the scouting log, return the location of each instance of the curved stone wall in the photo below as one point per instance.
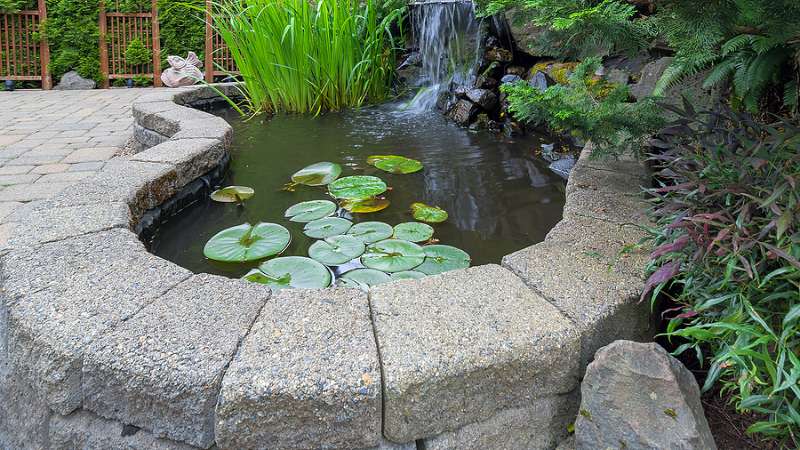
(104, 345)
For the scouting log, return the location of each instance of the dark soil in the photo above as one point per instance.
(728, 426)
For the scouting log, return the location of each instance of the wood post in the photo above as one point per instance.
(103, 45)
(44, 48)
(209, 51)
(156, 45)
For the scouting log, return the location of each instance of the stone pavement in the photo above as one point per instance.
(51, 139)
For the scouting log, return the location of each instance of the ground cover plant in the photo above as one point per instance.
(728, 257)
(299, 56)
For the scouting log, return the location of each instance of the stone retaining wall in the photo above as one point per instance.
(105, 345)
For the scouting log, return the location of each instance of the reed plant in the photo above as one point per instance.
(308, 57)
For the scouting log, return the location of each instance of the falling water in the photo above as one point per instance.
(448, 37)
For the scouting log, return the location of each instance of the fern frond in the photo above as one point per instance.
(720, 72)
(736, 43)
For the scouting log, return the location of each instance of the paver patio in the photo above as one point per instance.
(49, 140)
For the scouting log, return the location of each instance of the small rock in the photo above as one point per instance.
(516, 70)
(485, 82)
(460, 91)
(510, 79)
(413, 59)
(463, 112)
(563, 166)
(499, 54)
(445, 101)
(484, 98)
(618, 76)
(636, 395)
(540, 81)
(72, 81)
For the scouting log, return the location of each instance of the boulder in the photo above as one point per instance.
(636, 395)
(510, 79)
(690, 87)
(524, 32)
(463, 112)
(71, 81)
(649, 77)
(484, 98)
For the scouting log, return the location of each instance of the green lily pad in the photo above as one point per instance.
(232, 194)
(292, 272)
(427, 213)
(413, 231)
(370, 232)
(364, 277)
(395, 164)
(393, 255)
(441, 258)
(310, 211)
(327, 227)
(357, 187)
(407, 275)
(247, 242)
(369, 205)
(336, 250)
(318, 174)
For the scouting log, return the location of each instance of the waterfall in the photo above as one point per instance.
(448, 38)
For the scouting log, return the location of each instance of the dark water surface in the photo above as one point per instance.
(499, 196)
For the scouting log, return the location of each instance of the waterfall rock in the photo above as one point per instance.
(463, 112)
(636, 395)
(499, 54)
(510, 79)
(525, 33)
(72, 81)
(484, 98)
(516, 70)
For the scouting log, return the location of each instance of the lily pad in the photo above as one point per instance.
(368, 277)
(427, 213)
(393, 255)
(232, 194)
(395, 164)
(336, 250)
(310, 211)
(247, 242)
(370, 232)
(369, 205)
(327, 227)
(318, 174)
(357, 187)
(293, 272)
(407, 275)
(441, 258)
(413, 231)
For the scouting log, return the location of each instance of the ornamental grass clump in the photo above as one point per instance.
(727, 258)
(301, 56)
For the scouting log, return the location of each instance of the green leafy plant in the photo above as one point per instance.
(136, 54)
(298, 56)
(589, 108)
(727, 257)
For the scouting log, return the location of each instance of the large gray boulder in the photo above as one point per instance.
(71, 81)
(637, 396)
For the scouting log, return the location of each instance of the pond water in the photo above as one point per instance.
(500, 198)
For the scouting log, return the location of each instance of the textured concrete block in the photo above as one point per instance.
(84, 430)
(24, 415)
(602, 299)
(537, 426)
(147, 138)
(62, 296)
(162, 369)
(192, 158)
(307, 376)
(458, 347)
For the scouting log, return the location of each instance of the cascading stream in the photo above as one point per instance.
(448, 37)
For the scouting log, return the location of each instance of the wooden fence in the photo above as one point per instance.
(24, 54)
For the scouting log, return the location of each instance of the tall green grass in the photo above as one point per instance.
(301, 56)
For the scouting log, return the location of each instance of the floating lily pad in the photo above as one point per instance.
(318, 174)
(393, 255)
(407, 275)
(427, 213)
(441, 258)
(367, 277)
(247, 242)
(310, 211)
(357, 187)
(370, 232)
(292, 272)
(232, 194)
(369, 205)
(395, 164)
(413, 231)
(336, 250)
(327, 227)
(257, 276)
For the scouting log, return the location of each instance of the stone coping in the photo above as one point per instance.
(105, 345)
